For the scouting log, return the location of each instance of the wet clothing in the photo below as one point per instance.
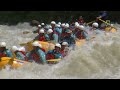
(38, 55)
(21, 55)
(5, 53)
(52, 54)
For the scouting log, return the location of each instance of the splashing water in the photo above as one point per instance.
(96, 59)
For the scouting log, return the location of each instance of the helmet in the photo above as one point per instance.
(59, 23)
(22, 49)
(63, 24)
(67, 25)
(2, 44)
(77, 25)
(58, 45)
(64, 43)
(42, 24)
(95, 24)
(39, 25)
(53, 22)
(50, 31)
(14, 48)
(36, 43)
(81, 27)
(50, 26)
(42, 31)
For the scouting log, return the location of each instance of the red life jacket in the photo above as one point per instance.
(63, 53)
(26, 59)
(42, 38)
(79, 35)
(3, 55)
(50, 56)
(36, 58)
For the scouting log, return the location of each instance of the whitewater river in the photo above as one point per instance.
(97, 59)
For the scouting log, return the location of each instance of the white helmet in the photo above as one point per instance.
(14, 48)
(81, 27)
(42, 24)
(50, 26)
(39, 25)
(64, 43)
(63, 24)
(2, 44)
(95, 24)
(53, 22)
(22, 49)
(59, 23)
(36, 43)
(49, 31)
(67, 25)
(42, 31)
(58, 45)
(77, 25)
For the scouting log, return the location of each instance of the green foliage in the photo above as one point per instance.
(14, 17)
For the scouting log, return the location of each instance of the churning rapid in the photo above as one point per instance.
(97, 59)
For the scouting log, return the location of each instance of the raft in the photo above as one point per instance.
(110, 29)
(49, 46)
(15, 63)
(45, 45)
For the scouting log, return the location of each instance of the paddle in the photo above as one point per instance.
(27, 32)
(90, 22)
(54, 60)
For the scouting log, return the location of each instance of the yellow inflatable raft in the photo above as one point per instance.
(14, 63)
(110, 29)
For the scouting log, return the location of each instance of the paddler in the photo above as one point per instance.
(19, 53)
(54, 54)
(37, 54)
(4, 52)
(64, 49)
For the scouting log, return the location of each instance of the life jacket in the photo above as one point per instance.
(3, 54)
(41, 38)
(62, 53)
(50, 56)
(26, 59)
(35, 57)
(80, 35)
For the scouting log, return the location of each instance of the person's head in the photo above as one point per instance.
(81, 27)
(42, 31)
(22, 49)
(2, 45)
(42, 24)
(57, 47)
(49, 31)
(64, 44)
(53, 23)
(66, 25)
(14, 48)
(76, 25)
(59, 23)
(63, 25)
(68, 32)
(95, 25)
(36, 44)
(39, 26)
